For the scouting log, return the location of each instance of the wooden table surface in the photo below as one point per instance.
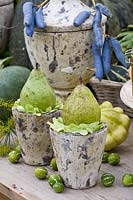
(17, 181)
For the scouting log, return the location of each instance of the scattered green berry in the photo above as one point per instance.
(127, 180)
(14, 156)
(54, 178)
(53, 164)
(58, 187)
(105, 157)
(114, 158)
(107, 179)
(41, 172)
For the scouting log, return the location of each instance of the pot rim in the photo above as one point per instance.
(67, 134)
(29, 114)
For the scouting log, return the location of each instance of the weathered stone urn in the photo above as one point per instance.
(79, 157)
(6, 14)
(63, 50)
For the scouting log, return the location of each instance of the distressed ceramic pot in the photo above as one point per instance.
(63, 50)
(34, 138)
(79, 157)
(6, 14)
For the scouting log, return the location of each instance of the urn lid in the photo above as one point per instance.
(60, 14)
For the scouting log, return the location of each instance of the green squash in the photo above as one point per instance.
(118, 73)
(12, 79)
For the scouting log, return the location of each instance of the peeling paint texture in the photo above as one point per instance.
(34, 138)
(62, 46)
(79, 157)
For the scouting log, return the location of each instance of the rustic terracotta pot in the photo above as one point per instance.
(6, 14)
(63, 50)
(79, 157)
(34, 138)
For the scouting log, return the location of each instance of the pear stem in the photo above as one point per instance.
(37, 66)
(80, 78)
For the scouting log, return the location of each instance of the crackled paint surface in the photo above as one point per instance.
(63, 57)
(34, 138)
(78, 157)
(63, 50)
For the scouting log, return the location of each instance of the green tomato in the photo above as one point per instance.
(107, 179)
(54, 178)
(14, 156)
(58, 187)
(114, 159)
(127, 180)
(41, 172)
(53, 164)
(105, 157)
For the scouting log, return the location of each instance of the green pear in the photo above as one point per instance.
(81, 107)
(37, 91)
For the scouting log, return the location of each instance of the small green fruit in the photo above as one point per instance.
(41, 172)
(18, 149)
(127, 180)
(58, 187)
(14, 156)
(54, 178)
(105, 157)
(53, 164)
(107, 179)
(114, 159)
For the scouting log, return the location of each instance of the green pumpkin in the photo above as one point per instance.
(118, 73)
(12, 79)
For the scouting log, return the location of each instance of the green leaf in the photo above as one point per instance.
(48, 109)
(130, 26)
(29, 108)
(82, 129)
(121, 35)
(5, 61)
(20, 108)
(83, 132)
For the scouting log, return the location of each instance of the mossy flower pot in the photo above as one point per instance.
(33, 135)
(79, 157)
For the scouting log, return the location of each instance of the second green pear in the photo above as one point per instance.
(37, 91)
(81, 107)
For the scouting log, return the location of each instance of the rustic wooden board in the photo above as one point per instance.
(3, 197)
(17, 181)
